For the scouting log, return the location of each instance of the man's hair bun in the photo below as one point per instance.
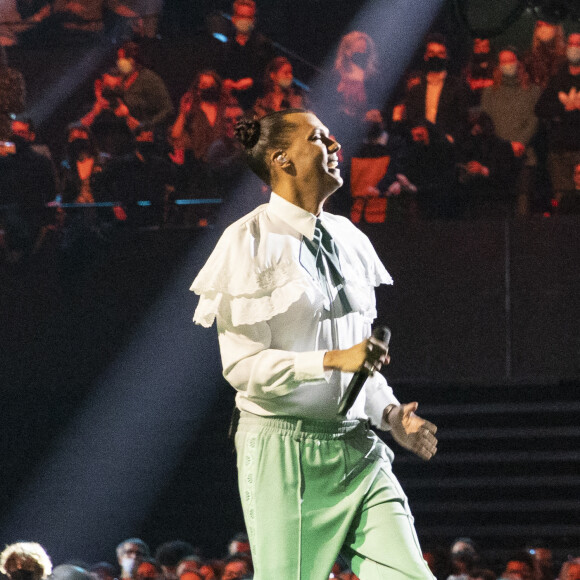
(247, 133)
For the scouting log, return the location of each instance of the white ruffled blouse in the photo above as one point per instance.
(275, 320)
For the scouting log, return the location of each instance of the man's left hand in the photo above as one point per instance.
(412, 432)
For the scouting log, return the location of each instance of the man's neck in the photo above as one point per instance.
(307, 201)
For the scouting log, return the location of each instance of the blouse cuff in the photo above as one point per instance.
(378, 399)
(308, 366)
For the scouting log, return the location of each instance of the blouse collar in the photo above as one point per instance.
(301, 220)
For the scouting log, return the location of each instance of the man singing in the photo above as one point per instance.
(292, 290)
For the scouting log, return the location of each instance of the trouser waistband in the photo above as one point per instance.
(302, 428)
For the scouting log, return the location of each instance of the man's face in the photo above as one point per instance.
(234, 570)
(22, 129)
(244, 18)
(434, 49)
(133, 551)
(283, 75)
(314, 155)
(516, 570)
(507, 57)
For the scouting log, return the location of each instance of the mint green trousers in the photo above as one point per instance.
(311, 490)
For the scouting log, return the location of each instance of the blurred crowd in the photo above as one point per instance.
(500, 139)
(179, 560)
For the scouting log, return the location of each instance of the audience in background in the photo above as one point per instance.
(103, 571)
(110, 113)
(358, 84)
(547, 53)
(130, 554)
(487, 171)
(440, 98)
(14, 21)
(428, 169)
(170, 554)
(142, 90)
(225, 155)
(243, 58)
(29, 561)
(510, 103)
(570, 570)
(478, 74)
(25, 561)
(200, 122)
(543, 561)
(27, 183)
(431, 164)
(559, 108)
(279, 94)
(519, 567)
(12, 94)
(374, 163)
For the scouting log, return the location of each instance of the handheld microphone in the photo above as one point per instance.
(357, 382)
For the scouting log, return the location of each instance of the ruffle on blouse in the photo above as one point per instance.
(269, 292)
(257, 282)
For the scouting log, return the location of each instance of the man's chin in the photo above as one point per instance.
(335, 179)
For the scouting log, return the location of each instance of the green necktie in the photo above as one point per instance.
(325, 251)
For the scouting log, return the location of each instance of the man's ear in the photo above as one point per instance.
(280, 158)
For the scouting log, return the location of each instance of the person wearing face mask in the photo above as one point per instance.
(478, 73)
(25, 561)
(358, 81)
(440, 98)
(130, 553)
(143, 91)
(547, 53)
(510, 103)
(559, 108)
(200, 123)
(242, 60)
(279, 94)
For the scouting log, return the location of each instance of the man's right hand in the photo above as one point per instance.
(370, 353)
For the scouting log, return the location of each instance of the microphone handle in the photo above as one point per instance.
(357, 382)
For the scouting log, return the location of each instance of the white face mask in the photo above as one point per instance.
(127, 564)
(244, 25)
(125, 66)
(509, 70)
(573, 54)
